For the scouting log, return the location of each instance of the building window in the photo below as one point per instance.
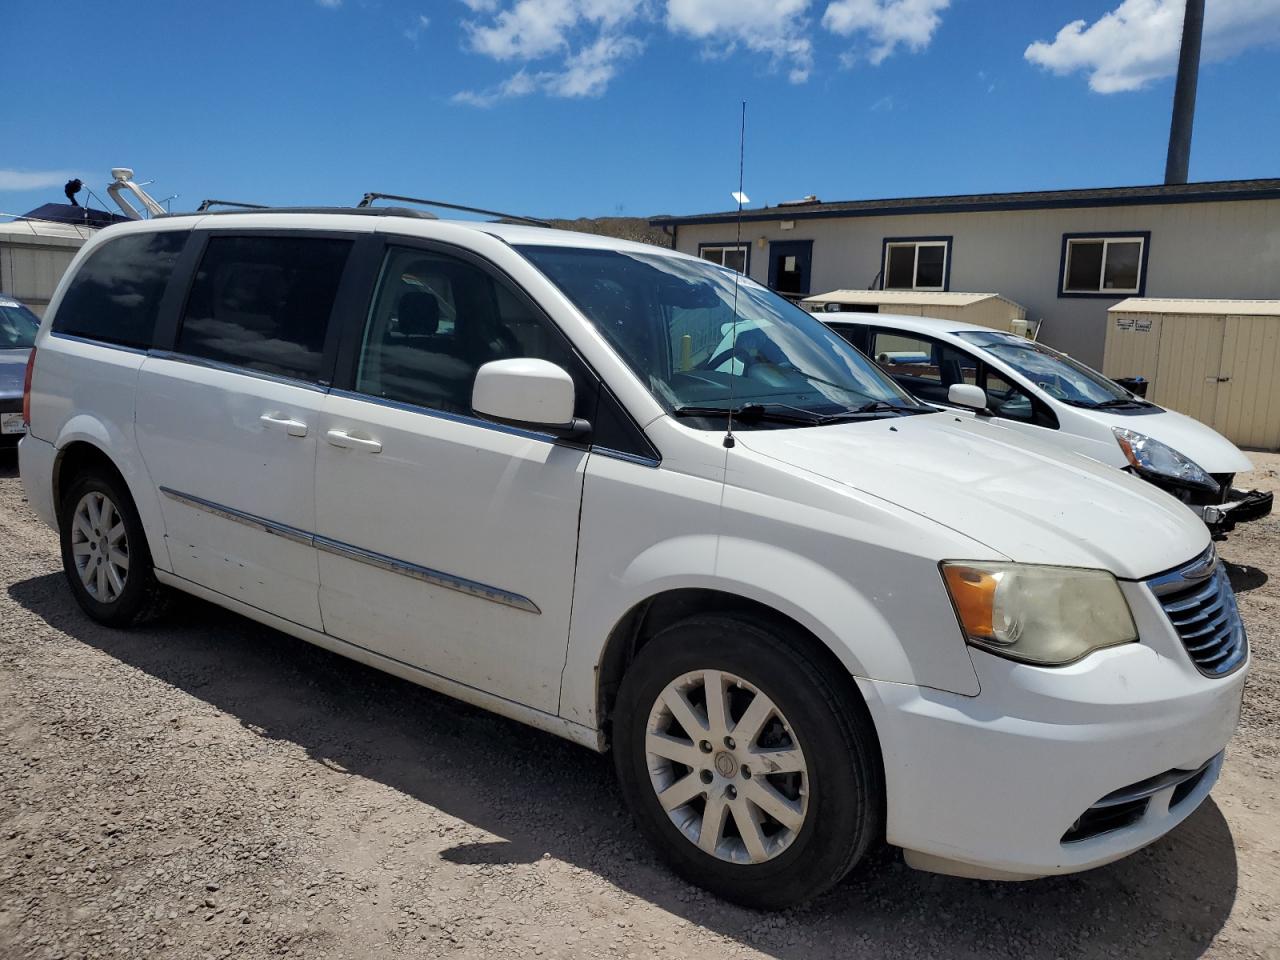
(1104, 265)
(735, 256)
(916, 263)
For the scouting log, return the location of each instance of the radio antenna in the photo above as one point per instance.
(741, 198)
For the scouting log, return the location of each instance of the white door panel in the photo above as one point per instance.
(448, 544)
(234, 457)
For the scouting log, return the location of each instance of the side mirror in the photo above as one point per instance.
(529, 393)
(968, 395)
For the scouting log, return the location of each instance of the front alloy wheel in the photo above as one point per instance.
(726, 767)
(100, 547)
(747, 759)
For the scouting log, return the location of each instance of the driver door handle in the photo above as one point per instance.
(340, 438)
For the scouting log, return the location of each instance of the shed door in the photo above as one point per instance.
(1248, 401)
(1190, 366)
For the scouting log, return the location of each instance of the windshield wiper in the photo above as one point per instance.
(752, 413)
(1122, 402)
(876, 406)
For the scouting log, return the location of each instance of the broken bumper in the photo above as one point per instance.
(1240, 507)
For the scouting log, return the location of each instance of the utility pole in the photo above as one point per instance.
(1184, 94)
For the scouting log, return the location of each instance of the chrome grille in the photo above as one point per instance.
(1199, 602)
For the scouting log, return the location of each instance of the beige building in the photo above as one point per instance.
(1066, 255)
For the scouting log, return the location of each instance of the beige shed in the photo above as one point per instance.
(34, 254)
(1215, 360)
(985, 309)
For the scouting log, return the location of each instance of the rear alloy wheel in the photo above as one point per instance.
(100, 547)
(105, 554)
(747, 762)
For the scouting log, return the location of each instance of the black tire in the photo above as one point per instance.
(143, 597)
(845, 794)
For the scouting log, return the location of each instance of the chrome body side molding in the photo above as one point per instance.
(437, 578)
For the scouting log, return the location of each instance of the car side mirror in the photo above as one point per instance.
(529, 393)
(968, 395)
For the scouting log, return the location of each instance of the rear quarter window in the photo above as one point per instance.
(115, 295)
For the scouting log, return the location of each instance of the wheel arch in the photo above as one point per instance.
(650, 616)
(85, 448)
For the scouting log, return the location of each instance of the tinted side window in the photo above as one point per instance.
(264, 303)
(115, 296)
(436, 319)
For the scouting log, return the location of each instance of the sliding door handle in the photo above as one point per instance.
(340, 438)
(294, 428)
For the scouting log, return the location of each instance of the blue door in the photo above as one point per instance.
(789, 263)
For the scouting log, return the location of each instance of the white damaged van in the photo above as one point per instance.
(807, 613)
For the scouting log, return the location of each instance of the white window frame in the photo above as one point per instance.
(722, 248)
(915, 262)
(1106, 242)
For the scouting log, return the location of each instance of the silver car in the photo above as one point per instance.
(18, 327)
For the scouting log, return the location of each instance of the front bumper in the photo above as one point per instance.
(1014, 783)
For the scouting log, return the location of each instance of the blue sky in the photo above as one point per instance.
(600, 107)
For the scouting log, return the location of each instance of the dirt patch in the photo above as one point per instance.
(210, 788)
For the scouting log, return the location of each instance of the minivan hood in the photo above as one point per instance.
(1022, 498)
(13, 369)
(1191, 438)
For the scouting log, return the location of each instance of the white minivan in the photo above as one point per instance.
(1040, 393)
(807, 613)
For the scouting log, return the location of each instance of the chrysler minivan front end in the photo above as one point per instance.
(1062, 766)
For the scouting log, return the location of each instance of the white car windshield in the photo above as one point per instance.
(1055, 373)
(18, 325)
(673, 321)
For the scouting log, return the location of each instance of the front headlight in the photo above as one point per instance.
(1043, 615)
(1151, 458)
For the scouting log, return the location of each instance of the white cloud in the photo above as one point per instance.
(586, 73)
(883, 105)
(885, 24)
(588, 39)
(530, 29)
(1137, 42)
(773, 27)
(33, 179)
(330, 4)
(414, 30)
(575, 48)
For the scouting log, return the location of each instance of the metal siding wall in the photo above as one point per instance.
(31, 273)
(1133, 352)
(1229, 250)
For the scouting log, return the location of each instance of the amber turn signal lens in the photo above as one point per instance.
(974, 594)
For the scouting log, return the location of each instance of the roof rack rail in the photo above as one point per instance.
(349, 211)
(369, 198)
(206, 204)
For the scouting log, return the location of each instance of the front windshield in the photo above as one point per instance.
(672, 321)
(18, 325)
(1053, 372)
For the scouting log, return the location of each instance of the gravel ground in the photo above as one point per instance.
(210, 788)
